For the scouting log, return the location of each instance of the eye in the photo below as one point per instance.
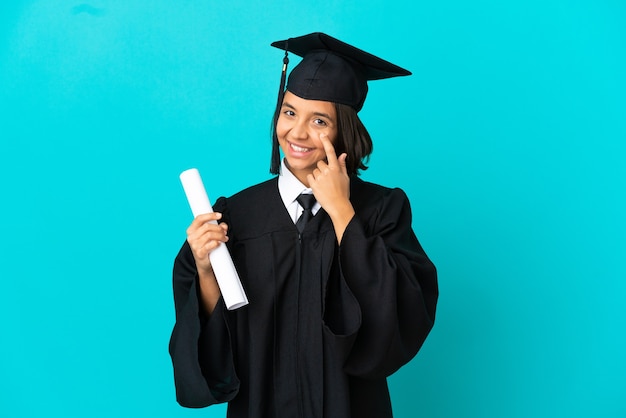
(320, 122)
(289, 112)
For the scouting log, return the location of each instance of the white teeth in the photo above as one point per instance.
(299, 149)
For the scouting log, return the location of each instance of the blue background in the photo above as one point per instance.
(509, 140)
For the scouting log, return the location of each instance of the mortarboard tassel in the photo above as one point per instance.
(279, 103)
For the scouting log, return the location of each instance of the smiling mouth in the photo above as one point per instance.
(299, 149)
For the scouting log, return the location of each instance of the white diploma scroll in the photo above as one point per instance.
(223, 267)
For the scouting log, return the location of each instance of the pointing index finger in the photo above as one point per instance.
(331, 156)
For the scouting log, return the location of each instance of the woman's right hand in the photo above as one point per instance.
(203, 237)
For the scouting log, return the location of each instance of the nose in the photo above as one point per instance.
(299, 130)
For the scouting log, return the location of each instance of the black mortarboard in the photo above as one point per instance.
(332, 70)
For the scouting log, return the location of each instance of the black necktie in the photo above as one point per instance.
(306, 201)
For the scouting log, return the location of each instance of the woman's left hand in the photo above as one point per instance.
(331, 186)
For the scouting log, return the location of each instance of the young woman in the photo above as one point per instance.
(341, 292)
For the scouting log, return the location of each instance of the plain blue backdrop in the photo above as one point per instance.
(509, 140)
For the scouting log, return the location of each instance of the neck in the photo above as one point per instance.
(300, 175)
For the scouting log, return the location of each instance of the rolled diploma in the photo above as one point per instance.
(223, 267)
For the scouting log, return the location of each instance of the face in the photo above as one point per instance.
(299, 126)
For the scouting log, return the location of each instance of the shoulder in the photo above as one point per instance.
(379, 205)
(247, 197)
(364, 193)
(253, 193)
(254, 211)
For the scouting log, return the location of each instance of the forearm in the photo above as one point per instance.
(209, 290)
(341, 217)
(395, 285)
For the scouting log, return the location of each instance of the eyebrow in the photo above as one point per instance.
(322, 114)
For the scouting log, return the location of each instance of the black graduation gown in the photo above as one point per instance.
(326, 324)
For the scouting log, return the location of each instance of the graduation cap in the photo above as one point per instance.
(332, 70)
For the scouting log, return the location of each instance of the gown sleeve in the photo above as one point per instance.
(395, 286)
(200, 347)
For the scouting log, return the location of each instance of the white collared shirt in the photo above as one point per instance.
(290, 188)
